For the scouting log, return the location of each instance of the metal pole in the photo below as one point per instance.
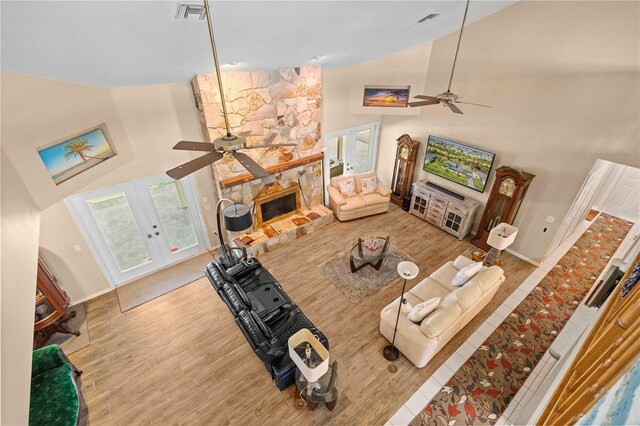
(219, 220)
(393, 341)
(217, 67)
(455, 58)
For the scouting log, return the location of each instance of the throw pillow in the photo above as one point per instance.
(421, 310)
(466, 273)
(369, 185)
(347, 188)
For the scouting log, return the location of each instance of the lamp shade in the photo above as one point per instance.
(502, 235)
(408, 270)
(237, 217)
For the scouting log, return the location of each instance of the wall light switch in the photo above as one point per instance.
(550, 219)
(77, 248)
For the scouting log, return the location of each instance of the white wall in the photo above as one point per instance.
(145, 122)
(20, 223)
(343, 88)
(562, 79)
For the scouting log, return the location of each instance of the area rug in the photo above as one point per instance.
(162, 282)
(69, 342)
(480, 391)
(367, 281)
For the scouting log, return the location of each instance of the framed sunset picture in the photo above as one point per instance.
(75, 154)
(386, 96)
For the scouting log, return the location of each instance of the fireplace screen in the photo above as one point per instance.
(278, 205)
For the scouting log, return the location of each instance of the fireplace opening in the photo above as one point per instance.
(277, 205)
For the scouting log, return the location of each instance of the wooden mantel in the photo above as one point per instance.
(246, 177)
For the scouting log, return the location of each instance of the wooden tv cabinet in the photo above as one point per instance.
(448, 213)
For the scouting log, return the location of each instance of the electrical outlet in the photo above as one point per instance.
(77, 248)
(550, 219)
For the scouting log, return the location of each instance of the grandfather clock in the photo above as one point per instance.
(405, 162)
(504, 201)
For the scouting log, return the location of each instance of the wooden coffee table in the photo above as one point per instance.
(368, 251)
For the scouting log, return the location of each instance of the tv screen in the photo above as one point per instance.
(458, 163)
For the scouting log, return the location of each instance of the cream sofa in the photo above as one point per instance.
(458, 305)
(360, 205)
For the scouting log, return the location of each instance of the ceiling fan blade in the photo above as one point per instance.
(423, 103)
(426, 97)
(194, 146)
(469, 103)
(268, 145)
(193, 165)
(454, 108)
(244, 134)
(252, 167)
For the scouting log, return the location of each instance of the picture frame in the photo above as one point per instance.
(386, 96)
(72, 155)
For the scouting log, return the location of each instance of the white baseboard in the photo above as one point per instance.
(523, 257)
(84, 299)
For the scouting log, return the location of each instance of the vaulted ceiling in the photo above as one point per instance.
(123, 43)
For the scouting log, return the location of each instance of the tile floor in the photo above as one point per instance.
(428, 390)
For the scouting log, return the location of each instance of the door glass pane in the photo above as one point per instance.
(119, 230)
(336, 156)
(363, 147)
(171, 205)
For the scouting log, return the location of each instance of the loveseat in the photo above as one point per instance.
(421, 342)
(264, 313)
(359, 205)
(55, 395)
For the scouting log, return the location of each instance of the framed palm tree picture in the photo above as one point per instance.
(73, 155)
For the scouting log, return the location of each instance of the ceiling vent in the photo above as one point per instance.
(191, 12)
(428, 17)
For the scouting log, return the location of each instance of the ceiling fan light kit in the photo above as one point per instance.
(448, 98)
(228, 144)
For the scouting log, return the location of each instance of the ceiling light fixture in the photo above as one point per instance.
(428, 17)
(227, 145)
(233, 63)
(317, 58)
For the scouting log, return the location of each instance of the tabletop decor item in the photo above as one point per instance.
(500, 237)
(317, 376)
(237, 218)
(408, 271)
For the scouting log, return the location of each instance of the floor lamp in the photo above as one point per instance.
(237, 218)
(408, 271)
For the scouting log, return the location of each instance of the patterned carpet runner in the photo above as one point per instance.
(479, 392)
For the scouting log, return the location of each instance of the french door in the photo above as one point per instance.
(138, 227)
(351, 151)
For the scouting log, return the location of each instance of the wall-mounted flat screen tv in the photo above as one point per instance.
(458, 163)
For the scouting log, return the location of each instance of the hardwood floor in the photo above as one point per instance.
(181, 359)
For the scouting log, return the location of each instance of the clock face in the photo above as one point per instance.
(404, 152)
(507, 187)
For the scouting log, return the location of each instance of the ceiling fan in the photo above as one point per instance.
(447, 98)
(229, 144)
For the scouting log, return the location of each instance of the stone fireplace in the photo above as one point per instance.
(277, 204)
(276, 106)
